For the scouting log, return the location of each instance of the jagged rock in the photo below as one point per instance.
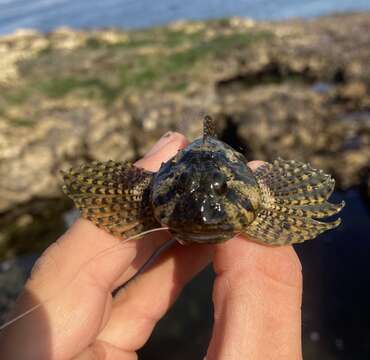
(155, 116)
(296, 89)
(296, 122)
(64, 133)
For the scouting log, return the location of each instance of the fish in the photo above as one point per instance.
(206, 194)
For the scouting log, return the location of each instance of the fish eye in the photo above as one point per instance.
(219, 184)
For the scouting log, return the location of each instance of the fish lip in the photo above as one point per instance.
(207, 237)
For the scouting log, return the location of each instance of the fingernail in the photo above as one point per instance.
(163, 141)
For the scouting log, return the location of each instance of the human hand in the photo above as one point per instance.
(257, 293)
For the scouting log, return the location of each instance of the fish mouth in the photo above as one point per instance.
(212, 237)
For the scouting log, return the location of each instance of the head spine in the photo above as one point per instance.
(209, 128)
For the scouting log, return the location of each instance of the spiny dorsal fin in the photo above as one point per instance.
(209, 128)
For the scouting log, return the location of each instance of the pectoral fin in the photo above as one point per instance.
(113, 195)
(294, 197)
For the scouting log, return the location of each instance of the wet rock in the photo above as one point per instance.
(62, 134)
(13, 275)
(295, 89)
(354, 91)
(154, 116)
(296, 122)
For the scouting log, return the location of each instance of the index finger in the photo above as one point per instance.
(73, 280)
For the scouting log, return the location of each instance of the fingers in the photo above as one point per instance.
(74, 279)
(257, 301)
(86, 247)
(163, 150)
(137, 308)
(255, 164)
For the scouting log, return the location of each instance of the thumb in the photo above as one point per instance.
(257, 301)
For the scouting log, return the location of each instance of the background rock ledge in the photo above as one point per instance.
(297, 89)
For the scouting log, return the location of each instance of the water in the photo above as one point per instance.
(46, 15)
(336, 295)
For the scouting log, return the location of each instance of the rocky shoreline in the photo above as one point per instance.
(297, 89)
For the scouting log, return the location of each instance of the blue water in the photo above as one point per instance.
(46, 15)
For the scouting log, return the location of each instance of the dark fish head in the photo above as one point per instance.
(206, 193)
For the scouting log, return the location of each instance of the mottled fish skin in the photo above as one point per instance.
(206, 194)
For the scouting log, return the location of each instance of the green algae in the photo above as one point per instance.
(168, 66)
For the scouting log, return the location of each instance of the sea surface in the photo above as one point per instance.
(45, 15)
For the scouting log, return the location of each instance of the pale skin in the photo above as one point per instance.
(257, 293)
